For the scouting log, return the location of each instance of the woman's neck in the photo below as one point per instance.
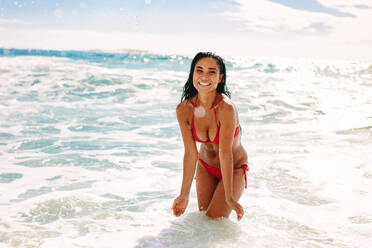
(206, 100)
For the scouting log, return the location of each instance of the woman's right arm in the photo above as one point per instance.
(190, 158)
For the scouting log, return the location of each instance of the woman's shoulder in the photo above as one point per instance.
(185, 106)
(225, 104)
(226, 109)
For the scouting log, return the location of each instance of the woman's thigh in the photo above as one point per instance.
(218, 206)
(205, 186)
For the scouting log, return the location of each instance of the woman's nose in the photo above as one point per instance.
(203, 76)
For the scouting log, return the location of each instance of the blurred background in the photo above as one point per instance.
(308, 28)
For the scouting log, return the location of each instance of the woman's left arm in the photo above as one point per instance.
(227, 122)
(227, 129)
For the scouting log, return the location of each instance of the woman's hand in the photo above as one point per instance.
(179, 205)
(236, 207)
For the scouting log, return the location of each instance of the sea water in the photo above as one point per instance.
(91, 152)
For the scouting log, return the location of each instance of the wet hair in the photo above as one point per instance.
(189, 90)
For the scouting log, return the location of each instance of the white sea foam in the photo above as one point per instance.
(92, 154)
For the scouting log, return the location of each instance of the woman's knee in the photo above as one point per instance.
(215, 215)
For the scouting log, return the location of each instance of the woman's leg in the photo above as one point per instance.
(205, 186)
(218, 206)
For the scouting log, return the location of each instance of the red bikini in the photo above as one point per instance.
(216, 172)
(216, 139)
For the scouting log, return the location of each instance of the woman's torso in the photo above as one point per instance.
(205, 127)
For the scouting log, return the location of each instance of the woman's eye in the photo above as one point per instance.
(212, 72)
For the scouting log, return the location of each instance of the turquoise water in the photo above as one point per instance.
(91, 153)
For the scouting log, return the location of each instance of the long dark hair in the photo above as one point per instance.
(189, 90)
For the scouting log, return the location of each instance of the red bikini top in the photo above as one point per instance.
(216, 139)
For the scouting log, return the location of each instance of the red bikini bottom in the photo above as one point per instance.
(216, 172)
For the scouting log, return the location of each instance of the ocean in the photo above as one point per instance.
(91, 153)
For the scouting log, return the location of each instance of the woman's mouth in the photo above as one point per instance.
(204, 84)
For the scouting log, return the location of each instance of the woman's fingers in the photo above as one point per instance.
(177, 210)
(179, 205)
(180, 211)
(240, 214)
(239, 211)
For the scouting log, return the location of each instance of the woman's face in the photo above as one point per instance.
(206, 75)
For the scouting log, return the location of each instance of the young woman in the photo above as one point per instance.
(207, 115)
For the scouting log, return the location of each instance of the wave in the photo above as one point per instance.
(131, 58)
(138, 59)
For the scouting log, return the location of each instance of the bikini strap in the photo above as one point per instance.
(245, 169)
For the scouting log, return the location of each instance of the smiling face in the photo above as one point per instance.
(206, 75)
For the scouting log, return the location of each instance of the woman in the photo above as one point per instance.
(207, 115)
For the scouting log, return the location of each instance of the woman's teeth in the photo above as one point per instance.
(204, 84)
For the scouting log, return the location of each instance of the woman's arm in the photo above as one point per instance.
(189, 161)
(228, 123)
(190, 151)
